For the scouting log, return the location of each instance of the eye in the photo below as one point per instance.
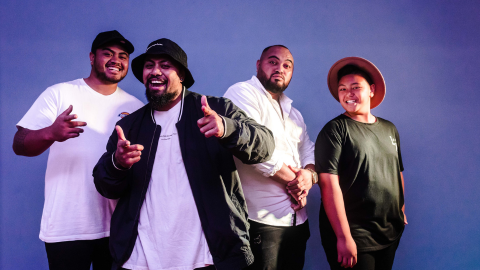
(165, 66)
(272, 62)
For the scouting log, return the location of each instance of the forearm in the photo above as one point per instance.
(31, 143)
(284, 175)
(334, 205)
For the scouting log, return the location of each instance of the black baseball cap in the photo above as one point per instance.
(112, 36)
(167, 47)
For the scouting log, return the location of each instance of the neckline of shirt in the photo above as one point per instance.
(285, 101)
(97, 93)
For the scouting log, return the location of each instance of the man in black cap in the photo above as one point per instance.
(170, 164)
(76, 219)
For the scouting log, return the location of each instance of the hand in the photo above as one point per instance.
(126, 154)
(211, 124)
(297, 205)
(301, 183)
(347, 252)
(64, 128)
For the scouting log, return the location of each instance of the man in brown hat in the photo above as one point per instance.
(76, 219)
(170, 164)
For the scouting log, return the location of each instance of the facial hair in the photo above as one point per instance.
(159, 101)
(102, 76)
(269, 85)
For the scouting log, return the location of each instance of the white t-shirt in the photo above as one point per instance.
(170, 234)
(73, 208)
(268, 201)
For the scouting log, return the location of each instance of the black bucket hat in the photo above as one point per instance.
(111, 36)
(163, 46)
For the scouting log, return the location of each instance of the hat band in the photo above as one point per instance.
(153, 45)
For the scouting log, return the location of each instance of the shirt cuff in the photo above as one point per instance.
(224, 127)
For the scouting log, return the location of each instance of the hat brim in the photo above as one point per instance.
(368, 67)
(139, 61)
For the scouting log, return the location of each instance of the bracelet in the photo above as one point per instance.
(314, 176)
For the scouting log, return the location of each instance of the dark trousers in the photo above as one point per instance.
(210, 267)
(276, 247)
(373, 260)
(79, 255)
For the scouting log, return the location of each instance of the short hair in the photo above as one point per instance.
(268, 48)
(353, 70)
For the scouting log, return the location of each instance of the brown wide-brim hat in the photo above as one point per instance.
(366, 66)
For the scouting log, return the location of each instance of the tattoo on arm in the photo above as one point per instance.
(19, 141)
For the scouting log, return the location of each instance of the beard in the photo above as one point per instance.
(159, 101)
(270, 85)
(102, 76)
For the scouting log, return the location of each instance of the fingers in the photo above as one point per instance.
(295, 170)
(67, 111)
(77, 124)
(205, 107)
(120, 134)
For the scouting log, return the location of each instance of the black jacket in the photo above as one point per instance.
(210, 169)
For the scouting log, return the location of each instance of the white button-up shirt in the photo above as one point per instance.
(268, 201)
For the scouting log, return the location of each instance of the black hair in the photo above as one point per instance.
(355, 70)
(268, 48)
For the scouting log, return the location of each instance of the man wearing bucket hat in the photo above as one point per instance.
(276, 190)
(358, 158)
(170, 164)
(75, 223)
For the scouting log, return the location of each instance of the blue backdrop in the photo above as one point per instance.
(428, 52)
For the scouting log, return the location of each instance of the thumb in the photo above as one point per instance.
(67, 111)
(295, 170)
(121, 136)
(205, 107)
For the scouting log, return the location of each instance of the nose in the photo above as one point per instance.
(156, 70)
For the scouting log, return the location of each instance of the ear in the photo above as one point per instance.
(372, 90)
(181, 74)
(258, 65)
(92, 57)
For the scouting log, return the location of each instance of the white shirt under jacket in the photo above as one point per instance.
(268, 202)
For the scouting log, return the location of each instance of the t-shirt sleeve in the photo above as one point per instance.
(400, 162)
(328, 149)
(43, 112)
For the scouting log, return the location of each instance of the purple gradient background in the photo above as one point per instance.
(428, 52)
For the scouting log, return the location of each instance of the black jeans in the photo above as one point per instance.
(210, 267)
(373, 260)
(79, 255)
(276, 247)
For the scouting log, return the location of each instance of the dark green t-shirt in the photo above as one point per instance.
(368, 161)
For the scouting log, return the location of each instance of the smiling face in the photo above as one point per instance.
(275, 69)
(162, 78)
(110, 63)
(354, 94)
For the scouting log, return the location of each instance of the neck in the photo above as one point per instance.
(364, 118)
(104, 88)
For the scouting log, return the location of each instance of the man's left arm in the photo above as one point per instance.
(248, 141)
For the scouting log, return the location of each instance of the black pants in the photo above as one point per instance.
(276, 247)
(373, 260)
(210, 267)
(79, 255)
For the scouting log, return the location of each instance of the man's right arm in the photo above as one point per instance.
(32, 143)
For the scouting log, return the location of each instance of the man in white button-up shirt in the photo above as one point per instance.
(276, 190)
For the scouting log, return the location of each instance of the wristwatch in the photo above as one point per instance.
(314, 176)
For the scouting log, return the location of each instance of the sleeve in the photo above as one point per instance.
(245, 100)
(400, 161)
(306, 147)
(43, 112)
(328, 149)
(248, 141)
(109, 181)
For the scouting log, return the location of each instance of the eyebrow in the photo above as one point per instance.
(110, 50)
(273, 56)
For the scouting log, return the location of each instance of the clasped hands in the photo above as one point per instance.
(211, 124)
(299, 187)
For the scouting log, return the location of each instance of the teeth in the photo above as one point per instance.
(156, 82)
(350, 101)
(115, 69)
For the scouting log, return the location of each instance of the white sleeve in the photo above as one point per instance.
(43, 112)
(244, 98)
(306, 147)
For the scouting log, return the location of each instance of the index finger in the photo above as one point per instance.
(205, 107)
(68, 110)
(120, 134)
